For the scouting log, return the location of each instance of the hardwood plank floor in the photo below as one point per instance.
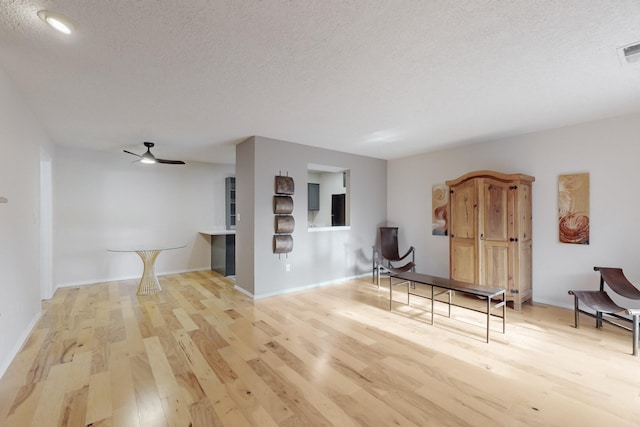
(202, 354)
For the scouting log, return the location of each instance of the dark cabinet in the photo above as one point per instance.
(338, 214)
(223, 254)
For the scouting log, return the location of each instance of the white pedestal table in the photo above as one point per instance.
(149, 281)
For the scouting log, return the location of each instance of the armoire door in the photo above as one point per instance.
(523, 249)
(495, 268)
(463, 232)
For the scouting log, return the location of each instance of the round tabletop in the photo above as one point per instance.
(144, 248)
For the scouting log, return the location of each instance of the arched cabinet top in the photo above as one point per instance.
(491, 174)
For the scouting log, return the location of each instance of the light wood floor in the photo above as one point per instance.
(202, 354)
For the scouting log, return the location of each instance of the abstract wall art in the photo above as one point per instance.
(284, 185)
(573, 208)
(284, 222)
(282, 205)
(439, 203)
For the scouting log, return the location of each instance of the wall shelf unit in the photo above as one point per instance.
(230, 202)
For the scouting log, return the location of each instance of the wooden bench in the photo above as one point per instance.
(496, 297)
(606, 310)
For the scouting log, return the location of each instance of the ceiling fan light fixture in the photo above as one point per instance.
(148, 158)
(56, 21)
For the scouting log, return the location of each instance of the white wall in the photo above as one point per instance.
(609, 150)
(245, 209)
(318, 257)
(21, 139)
(102, 200)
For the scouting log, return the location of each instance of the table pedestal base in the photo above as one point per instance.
(149, 282)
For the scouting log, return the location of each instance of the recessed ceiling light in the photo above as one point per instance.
(57, 21)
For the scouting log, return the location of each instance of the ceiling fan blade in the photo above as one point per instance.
(170, 162)
(129, 152)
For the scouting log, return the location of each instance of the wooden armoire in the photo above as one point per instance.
(490, 232)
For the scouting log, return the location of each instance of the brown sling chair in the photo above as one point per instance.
(605, 309)
(386, 259)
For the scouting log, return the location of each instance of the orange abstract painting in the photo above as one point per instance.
(573, 208)
(439, 202)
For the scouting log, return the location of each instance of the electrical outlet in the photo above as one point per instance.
(287, 267)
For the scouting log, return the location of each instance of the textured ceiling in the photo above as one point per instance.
(380, 78)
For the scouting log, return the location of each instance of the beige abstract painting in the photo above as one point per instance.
(573, 208)
(439, 202)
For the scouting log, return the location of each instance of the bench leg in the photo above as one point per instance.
(488, 316)
(635, 334)
(390, 291)
(504, 313)
(373, 268)
(432, 304)
(409, 284)
(376, 277)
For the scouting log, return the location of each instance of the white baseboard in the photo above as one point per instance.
(306, 287)
(115, 279)
(18, 345)
(244, 291)
(554, 303)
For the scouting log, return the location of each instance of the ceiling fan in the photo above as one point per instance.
(150, 158)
